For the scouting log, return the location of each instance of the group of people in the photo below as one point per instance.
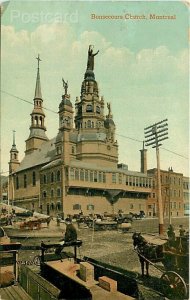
(171, 232)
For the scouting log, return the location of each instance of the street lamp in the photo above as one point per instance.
(154, 135)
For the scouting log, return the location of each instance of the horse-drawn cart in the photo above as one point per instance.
(174, 255)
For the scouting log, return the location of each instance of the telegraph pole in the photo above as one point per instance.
(154, 134)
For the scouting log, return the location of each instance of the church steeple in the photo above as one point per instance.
(38, 94)
(37, 128)
(90, 109)
(14, 162)
(96, 132)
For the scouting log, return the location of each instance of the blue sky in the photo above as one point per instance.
(142, 69)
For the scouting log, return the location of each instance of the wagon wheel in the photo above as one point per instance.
(174, 285)
(37, 260)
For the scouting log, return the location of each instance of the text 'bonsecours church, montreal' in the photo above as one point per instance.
(78, 169)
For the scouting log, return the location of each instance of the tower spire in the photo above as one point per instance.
(37, 128)
(14, 162)
(38, 93)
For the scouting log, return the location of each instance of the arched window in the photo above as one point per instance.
(52, 193)
(17, 183)
(45, 178)
(44, 194)
(58, 206)
(58, 175)
(36, 120)
(41, 122)
(25, 181)
(88, 124)
(52, 177)
(89, 108)
(58, 192)
(52, 207)
(34, 178)
(15, 156)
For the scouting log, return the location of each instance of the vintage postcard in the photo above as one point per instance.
(94, 198)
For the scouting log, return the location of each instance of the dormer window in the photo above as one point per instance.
(89, 108)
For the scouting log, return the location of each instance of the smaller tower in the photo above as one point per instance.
(37, 129)
(65, 125)
(109, 125)
(14, 162)
(143, 160)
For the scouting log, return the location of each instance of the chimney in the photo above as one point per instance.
(143, 160)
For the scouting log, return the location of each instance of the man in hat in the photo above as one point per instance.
(70, 235)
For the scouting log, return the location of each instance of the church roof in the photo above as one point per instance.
(39, 157)
(52, 164)
(38, 132)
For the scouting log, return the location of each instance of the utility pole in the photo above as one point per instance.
(154, 134)
(169, 199)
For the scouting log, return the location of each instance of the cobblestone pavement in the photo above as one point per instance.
(112, 247)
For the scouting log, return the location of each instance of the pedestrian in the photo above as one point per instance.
(58, 220)
(70, 236)
(171, 236)
(181, 230)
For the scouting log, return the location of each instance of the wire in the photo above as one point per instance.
(175, 153)
(24, 100)
(160, 147)
(127, 137)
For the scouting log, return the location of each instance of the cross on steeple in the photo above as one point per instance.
(13, 145)
(38, 59)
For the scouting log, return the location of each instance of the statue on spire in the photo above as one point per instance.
(109, 110)
(65, 85)
(90, 62)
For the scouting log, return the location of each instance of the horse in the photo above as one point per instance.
(146, 252)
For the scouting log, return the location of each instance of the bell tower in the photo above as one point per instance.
(37, 129)
(14, 162)
(96, 132)
(90, 109)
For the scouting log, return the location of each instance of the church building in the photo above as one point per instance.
(78, 169)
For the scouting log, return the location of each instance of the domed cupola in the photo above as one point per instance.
(109, 123)
(89, 75)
